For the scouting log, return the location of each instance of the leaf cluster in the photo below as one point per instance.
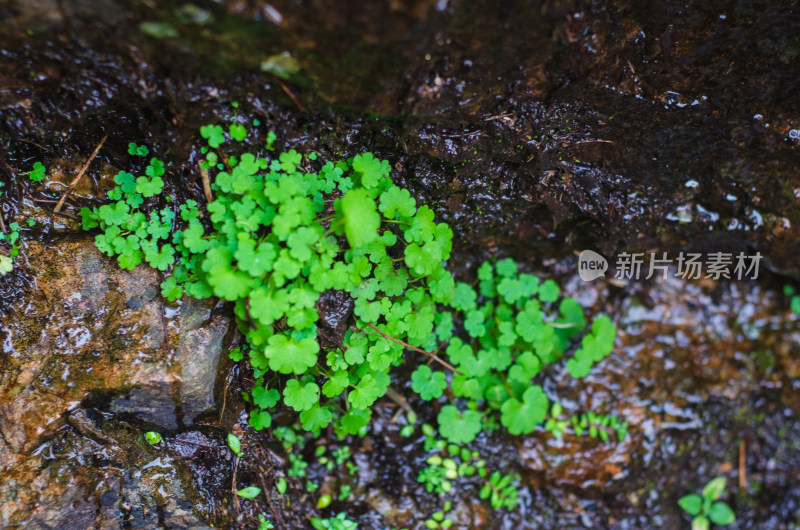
(707, 508)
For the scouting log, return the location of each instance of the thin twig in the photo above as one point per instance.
(206, 184)
(742, 466)
(40, 146)
(225, 394)
(236, 506)
(291, 95)
(2, 225)
(595, 141)
(80, 175)
(419, 350)
(402, 403)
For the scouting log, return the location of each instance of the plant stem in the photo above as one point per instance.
(414, 348)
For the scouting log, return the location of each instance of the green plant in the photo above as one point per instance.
(152, 437)
(281, 485)
(435, 476)
(12, 238)
(283, 230)
(250, 492)
(339, 522)
(264, 523)
(794, 301)
(138, 150)
(510, 338)
(595, 425)
(235, 444)
(706, 508)
(38, 172)
(438, 519)
(501, 491)
(273, 250)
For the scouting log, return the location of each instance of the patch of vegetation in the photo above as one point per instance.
(794, 299)
(38, 172)
(339, 522)
(595, 425)
(152, 437)
(11, 238)
(282, 230)
(707, 508)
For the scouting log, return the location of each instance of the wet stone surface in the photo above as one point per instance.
(535, 129)
(90, 341)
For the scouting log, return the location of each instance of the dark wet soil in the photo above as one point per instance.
(536, 130)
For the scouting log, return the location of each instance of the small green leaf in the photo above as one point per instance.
(721, 514)
(316, 418)
(457, 426)
(238, 131)
(287, 356)
(549, 291)
(522, 417)
(691, 504)
(357, 217)
(300, 397)
(38, 173)
(250, 492)
(700, 523)
(149, 187)
(235, 444)
(428, 383)
(152, 437)
(713, 490)
(214, 134)
(259, 419)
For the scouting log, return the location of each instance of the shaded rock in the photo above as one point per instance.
(90, 341)
(154, 405)
(97, 474)
(200, 341)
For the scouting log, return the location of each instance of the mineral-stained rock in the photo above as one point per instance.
(86, 341)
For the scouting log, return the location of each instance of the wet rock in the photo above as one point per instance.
(200, 341)
(74, 333)
(97, 473)
(335, 309)
(154, 405)
(92, 341)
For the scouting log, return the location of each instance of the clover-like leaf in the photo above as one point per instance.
(214, 134)
(259, 419)
(522, 416)
(457, 426)
(316, 418)
(365, 393)
(38, 173)
(357, 217)
(370, 169)
(265, 398)
(427, 383)
(397, 201)
(721, 514)
(287, 356)
(300, 397)
(149, 187)
(691, 504)
(237, 131)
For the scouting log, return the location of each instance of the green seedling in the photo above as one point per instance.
(707, 508)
